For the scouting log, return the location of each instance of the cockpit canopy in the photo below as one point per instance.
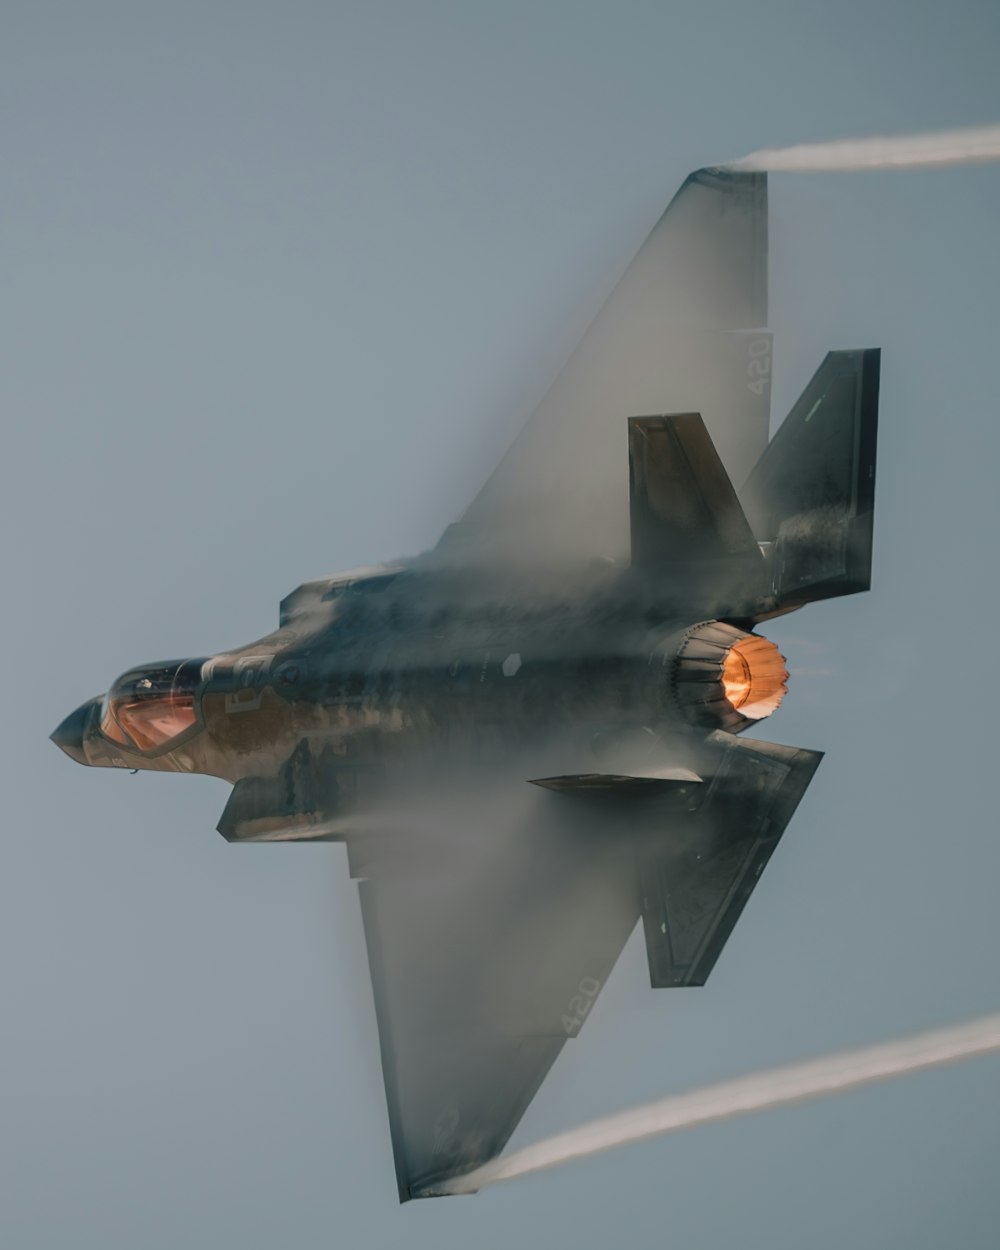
(148, 707)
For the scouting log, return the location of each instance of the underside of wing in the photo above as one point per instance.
(485, 956)
(489, 945)
(682, 332)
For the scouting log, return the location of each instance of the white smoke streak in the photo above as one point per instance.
(971, 146)
(776, 1087)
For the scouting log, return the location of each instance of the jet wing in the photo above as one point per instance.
(484, 959)
(488, 949)
(682, 332)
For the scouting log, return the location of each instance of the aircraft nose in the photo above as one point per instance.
(69, 735)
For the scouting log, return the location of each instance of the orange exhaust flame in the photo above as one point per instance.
(754, 677)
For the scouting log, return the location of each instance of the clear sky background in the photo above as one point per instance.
(279, 282)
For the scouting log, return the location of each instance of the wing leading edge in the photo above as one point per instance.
(682, 331)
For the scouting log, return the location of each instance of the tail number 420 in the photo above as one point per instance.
(759, 365)
(579, 1005)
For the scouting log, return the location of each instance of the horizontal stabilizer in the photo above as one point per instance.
(812, 493)
(695, 885)
(611, 784)
(682, 504)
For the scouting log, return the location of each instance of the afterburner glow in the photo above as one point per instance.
(754, 677)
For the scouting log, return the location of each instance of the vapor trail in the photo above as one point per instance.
(973, 145)
(775, 1087)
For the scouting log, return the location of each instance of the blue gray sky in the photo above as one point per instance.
(279, 284)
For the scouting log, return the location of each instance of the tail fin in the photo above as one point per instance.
(812, 493)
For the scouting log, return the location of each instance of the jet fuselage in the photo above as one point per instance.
(394, 673)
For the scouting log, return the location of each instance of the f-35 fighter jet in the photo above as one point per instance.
(529, 737)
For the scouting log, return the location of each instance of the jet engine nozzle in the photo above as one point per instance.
(725, 678)
(754, 677)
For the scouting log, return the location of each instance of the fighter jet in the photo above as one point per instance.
(529, 738)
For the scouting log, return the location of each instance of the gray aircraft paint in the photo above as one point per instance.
(404, 711)
(142, 236)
